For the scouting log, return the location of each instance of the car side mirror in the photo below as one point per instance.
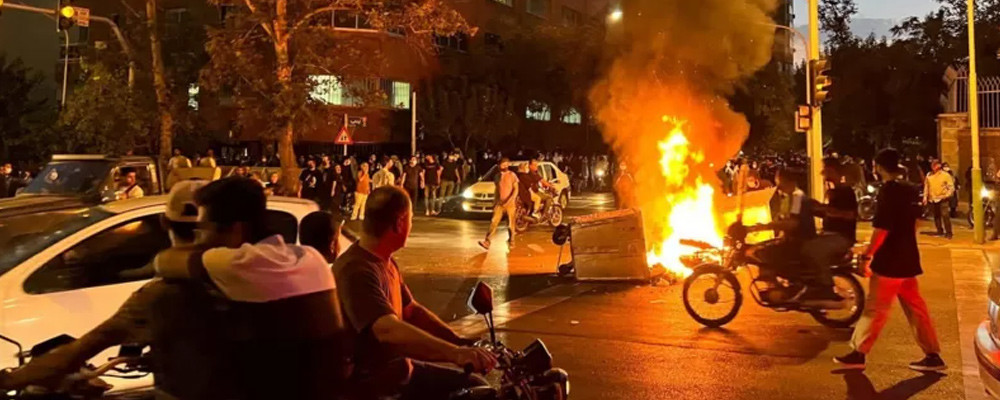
(481, 299)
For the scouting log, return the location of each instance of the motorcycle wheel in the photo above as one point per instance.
(987, 215)
(556, 218)
(564, 200)
(866, 210)
(723, 290)
(522, 223)
(848, 287)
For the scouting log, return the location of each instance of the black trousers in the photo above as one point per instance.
(432, 382)
(942, 216)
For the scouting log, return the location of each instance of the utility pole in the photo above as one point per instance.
(977, 171)
(814, 139)
(413, 123)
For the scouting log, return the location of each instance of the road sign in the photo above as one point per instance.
(344, 136)
(357, 122)
(82, 16)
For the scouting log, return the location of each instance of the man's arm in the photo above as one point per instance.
(418, 315)
(180, 262)
(414, 343)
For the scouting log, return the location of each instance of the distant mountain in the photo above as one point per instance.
(861, 27)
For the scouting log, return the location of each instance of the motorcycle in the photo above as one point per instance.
(714, 284)
(552, 215)
(989, 209)
(866, 201)
(131, 363)
(526, 375)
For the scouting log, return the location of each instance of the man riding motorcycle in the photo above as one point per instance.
(534, 182)
(793, 222)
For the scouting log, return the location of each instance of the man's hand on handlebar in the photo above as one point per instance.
(480, 359)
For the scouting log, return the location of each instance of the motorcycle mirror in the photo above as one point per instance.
(481, 299)
(49, 345)
(20, 350)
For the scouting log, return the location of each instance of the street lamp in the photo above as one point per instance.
(615, 16)
(977, 171)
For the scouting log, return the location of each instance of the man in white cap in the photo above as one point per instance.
(130, 323)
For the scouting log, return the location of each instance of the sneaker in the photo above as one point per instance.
(485, 244)
(853, 360)
(932, 362)
(948, 236)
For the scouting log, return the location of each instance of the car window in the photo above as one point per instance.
(70, 178)
(284, 224)
(122, 253)
(23, 236)
(550, 173)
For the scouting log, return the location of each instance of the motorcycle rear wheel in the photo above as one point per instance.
(710, 295)
(556, 218)
(848, 287)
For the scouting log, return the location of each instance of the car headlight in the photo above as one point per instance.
(871, 189)
(468, 194)
(599, 173)
(986, 193)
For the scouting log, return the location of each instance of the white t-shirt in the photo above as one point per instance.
(268, 270)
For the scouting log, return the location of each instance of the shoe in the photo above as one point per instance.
(427, 213)
(510, 244)
(852, 360)
(948, 236)
(485, 244)
(932, 362)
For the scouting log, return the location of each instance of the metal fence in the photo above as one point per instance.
(957, 100)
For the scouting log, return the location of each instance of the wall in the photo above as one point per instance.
(955, 145)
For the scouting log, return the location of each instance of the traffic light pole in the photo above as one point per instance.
(65, 77)
(977, 170)
(114, 28)
(814, 139)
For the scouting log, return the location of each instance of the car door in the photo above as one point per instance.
(81, 280)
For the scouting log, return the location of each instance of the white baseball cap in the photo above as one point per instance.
(181, 206)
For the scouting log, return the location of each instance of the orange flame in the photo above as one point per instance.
(691, 208)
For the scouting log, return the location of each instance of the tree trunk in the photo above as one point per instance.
(289, 165)
(160, 86)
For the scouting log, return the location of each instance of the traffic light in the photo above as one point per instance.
(65, 15)
(820, 81)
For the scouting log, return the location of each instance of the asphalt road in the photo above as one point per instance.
(634, 341)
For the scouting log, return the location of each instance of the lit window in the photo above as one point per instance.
(193, 91)
(327, 89)
(401, 95)
(538, 111)
(573, 117)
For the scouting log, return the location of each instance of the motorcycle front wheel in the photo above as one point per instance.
(866, 209)
(712, 295)
(847, 286)
(556, 218)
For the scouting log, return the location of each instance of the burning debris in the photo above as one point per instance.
(662, 108)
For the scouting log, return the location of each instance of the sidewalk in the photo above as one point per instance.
(632, 341)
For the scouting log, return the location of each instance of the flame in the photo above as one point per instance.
(689, 203)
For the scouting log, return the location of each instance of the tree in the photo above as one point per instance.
(835, 19)
(163, 108)
(768, 101)
(266, 51)
(25, 117)
(103, 116)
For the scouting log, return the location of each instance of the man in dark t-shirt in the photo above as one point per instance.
(894, 265)
(310, 182)
(839, 230)
(450, 176)
(396, 337)
(411, 178)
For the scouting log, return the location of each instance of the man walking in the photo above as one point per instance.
(939, 186)
(411, 179)
(894, 261)
(430, 179)
(450, 176)
(505, 203)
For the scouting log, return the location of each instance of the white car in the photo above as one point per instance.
(478, 198)
(60, 271)
(988, 343)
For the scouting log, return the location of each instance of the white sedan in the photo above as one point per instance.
(61, 272)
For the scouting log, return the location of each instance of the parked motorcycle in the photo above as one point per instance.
(527, 374)
(131, 363)
(551, 215)
(866, 201)
(989, 197)
(712, 294)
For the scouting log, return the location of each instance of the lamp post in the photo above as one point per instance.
(977, 171)
(814, 139)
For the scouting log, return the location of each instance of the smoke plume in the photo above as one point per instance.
(676, 61)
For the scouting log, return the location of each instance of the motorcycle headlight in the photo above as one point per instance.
(468, 194)
(986, 193)
(599, 173)
(871, 189)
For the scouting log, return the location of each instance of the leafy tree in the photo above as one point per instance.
(835, 19)
(103, 116)
(768, 102)
(24, 116)
(266, 50)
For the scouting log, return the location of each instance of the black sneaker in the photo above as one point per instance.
(932, 362)
(853, 360)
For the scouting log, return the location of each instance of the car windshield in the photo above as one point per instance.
(26, 235)
(75, 178)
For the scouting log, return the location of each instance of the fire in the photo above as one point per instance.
(688, 202)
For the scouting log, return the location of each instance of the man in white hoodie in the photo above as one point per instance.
(282, 335)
